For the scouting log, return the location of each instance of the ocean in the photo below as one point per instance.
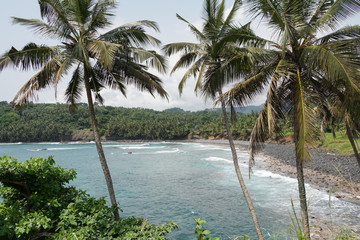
(180, 181)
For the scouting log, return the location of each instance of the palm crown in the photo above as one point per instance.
(219, 39)
(111, 59)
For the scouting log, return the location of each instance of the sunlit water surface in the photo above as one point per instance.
(166, 181)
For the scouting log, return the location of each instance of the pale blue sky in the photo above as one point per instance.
(161, 11)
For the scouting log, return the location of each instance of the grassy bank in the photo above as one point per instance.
(338, 145)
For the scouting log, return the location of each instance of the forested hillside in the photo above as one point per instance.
(54, 122)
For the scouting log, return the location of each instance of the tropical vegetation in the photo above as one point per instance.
(305, 64)
(112, 59)
(53, 122)
(37, 202)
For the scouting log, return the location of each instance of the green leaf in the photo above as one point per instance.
(206, 232)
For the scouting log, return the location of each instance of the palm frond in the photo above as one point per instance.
(40, 80)
(143, 23)
(246, 90)
(63, 67)
(230, 17)
(151, 58)
(130, 36)
(110, 79)
(42, 28)
(335, 65)
(95, 84)
(240, 36)
(198, 34)
(185, 61)
(258, 136)
(268, 9)
(56, 14)
(220, 14)
(135, 74)
(74, 88)
(100, 14)
(199, 82)
(303, 121)
(348, 32)
(31, 56)
(335, 12)
(192, 71)
(184, 47)
(209, 12)
(104, 52)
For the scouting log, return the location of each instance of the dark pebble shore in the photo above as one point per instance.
(325, 170)
(322, 161)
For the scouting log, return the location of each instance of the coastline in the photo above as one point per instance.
(325, 170)
(280, 159)
(324, 173)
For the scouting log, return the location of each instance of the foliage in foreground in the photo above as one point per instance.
(38, 203)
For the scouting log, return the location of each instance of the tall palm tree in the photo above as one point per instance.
(219, 39)
(303, 60)
(333, 110)
(112, 59)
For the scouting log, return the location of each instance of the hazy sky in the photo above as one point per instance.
(161, 11)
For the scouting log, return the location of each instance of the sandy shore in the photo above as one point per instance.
(326, 172)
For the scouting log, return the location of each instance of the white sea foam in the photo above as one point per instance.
(131, 146)
(217, 159)
(11, 143)
(211, 147)
(49, 143)
(37, 150)
(140, 147)
(268, 174)
(175, 150)
(77, 142)
(53, 149)
(186, 143)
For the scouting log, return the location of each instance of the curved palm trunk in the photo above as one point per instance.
(239, 175)
(100, 150)
(351, 139)
(302, 196)
(300, 178)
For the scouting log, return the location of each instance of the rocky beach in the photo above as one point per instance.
(326, 169)
(337, 174)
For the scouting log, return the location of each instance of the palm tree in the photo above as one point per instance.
(303, 60)
(219, 39)
(113, 59)
(333, 109)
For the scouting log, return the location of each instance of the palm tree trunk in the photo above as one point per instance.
(239, 175)
(100, 150)
(300, 179)
(351, 139)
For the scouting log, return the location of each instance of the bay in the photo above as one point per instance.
(179, 181)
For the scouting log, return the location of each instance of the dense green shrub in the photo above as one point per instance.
(38, 203)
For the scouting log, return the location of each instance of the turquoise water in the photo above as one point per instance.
(166, 181)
